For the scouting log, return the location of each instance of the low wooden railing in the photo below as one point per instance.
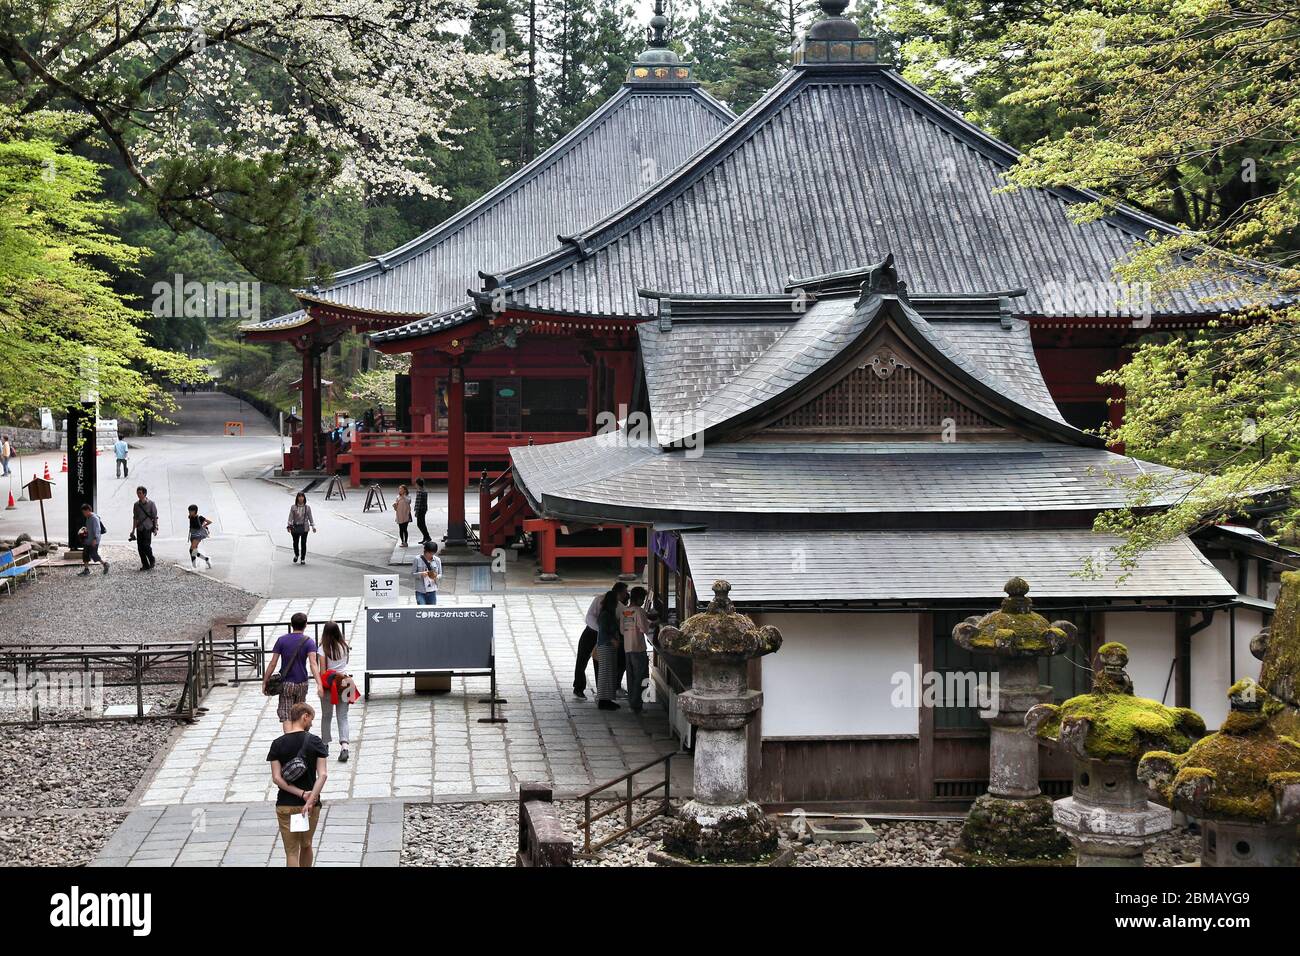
(630, 824)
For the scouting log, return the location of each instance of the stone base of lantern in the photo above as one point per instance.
(1236, 843)
(1105, 836)
(1012, 831)
(731, 834)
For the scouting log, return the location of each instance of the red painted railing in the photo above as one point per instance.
(502, 509)
(548, 532)
(405, 456)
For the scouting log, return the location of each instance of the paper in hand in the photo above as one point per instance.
(299, 823)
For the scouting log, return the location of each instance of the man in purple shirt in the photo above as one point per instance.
(298, 651)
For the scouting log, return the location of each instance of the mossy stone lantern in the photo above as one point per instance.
(1013, 821)
(721, 823)
(1243, 783)
(1108, 819)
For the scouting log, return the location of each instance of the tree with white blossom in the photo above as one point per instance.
(229, 114)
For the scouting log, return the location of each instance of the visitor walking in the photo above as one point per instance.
(338, 691)
(144, 525)
(299, 764)
(427, 569)
(608, 640)
(120, 450)
(635, 625)
(402, 512)
(6, 452)
(298, 651)
(300, 520)
(91, 537)
(587, 643)
(421, 508)
(198, 531)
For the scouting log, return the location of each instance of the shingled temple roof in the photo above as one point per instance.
(896, 566)
(838, 164)
(731, 357)
(840, 485)
(642, 133)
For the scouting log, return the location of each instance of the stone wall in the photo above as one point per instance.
(36, 439)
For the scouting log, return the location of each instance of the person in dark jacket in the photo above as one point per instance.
(421, 509)
(144, 525)
(609, 639)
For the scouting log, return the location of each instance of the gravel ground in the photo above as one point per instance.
(89, 767)
(128, 605)
(458, 834)
(76, 765)
(55, 839)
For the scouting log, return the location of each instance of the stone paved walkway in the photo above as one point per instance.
(409, 746)
(353, 833)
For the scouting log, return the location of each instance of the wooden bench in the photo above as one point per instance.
(18, 563)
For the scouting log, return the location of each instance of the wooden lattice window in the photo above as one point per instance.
(882, 396)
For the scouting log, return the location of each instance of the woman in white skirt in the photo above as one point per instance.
(608, 640)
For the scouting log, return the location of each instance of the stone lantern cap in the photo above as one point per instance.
(1015, 629)
(1247, 772)
(1110, 723)
(720, 633)
(1278, 649)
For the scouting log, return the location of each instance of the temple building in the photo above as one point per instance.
(840, 162)
(554, 386)
(867, 468)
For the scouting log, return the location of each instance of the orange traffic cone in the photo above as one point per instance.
(47, 471)
(65, 464)
(10, 506)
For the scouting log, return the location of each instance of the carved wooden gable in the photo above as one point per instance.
(887, 391)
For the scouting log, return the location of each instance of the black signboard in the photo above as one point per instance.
(82, 439)
(424, 639)
(429, 638)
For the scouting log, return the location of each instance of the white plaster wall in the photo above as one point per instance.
(1211, 673)
(1149, 637)
(832, 675)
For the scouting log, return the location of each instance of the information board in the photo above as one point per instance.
(429, 638)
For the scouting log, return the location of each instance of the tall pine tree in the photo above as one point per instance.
(754, 48)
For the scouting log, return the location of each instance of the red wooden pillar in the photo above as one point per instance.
(621, 365)
(311, 407)
(544, 530)
(627, 552)
(615, 385)
(456, 455)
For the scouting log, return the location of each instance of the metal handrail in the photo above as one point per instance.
(626, 804)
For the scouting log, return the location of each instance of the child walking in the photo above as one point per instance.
(198, 531)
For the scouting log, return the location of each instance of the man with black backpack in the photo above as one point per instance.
(290, 683)
(299, 761)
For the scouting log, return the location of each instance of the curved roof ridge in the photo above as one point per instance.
(1026, 236)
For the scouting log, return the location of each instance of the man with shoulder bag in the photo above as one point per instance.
(298, 652)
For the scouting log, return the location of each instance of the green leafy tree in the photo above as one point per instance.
(1191, 110)
(65, 332)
